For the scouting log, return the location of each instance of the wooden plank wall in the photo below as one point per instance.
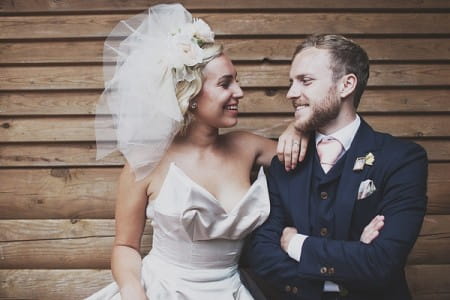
(56, 200)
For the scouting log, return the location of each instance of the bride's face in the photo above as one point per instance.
(219, 97)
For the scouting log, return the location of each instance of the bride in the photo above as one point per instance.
(171, 90)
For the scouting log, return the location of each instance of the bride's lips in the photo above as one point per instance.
(232, 108)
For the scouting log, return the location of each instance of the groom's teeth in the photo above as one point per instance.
(232, 107)
(301, 106)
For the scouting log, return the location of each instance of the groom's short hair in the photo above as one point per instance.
(345, 57)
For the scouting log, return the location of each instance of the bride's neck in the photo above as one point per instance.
(199, 135)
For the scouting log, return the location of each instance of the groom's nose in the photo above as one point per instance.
(293, 92)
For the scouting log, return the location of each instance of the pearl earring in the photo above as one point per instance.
(193, 105)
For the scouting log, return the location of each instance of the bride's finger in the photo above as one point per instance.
(280, 149)
(303, 147)
(287, 156)
(295, 156)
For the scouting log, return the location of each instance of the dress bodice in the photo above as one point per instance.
(196, 242)
(192, 229)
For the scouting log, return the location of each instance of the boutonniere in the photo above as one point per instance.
(360, 162)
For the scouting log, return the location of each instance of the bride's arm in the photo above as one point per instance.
(126, 260)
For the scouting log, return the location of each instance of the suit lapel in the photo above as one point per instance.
(363, 143)
(299, 191)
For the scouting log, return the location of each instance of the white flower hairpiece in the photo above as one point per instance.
(185, 47)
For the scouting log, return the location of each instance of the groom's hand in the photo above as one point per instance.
(372, 230)
(286, 236)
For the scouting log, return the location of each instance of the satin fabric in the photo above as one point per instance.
(196, 242)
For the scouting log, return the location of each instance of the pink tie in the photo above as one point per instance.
(328, 150)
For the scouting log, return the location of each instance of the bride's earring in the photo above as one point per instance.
(193, 105)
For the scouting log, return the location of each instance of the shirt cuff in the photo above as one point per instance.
(295, 246)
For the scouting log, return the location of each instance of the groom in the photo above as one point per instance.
(310, 247)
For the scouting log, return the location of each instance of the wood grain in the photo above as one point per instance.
(84, 154)
(22, 6)
(72, 193)
(62, 244)
(58, 193)
(261, 100)
(267, 24)
(250, 75)
(52, 284)
(81, 129)
(433, 244)
(428, 282)
(260, 49)
(69, 154)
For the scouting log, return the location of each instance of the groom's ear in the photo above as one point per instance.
(347, 85)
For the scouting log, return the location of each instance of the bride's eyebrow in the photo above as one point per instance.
(225, 78)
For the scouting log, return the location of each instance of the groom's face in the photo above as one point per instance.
(313, 92)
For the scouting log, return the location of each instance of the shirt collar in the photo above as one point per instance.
(344, 135)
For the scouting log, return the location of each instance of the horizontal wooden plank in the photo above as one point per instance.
(274, 100)
(84, 154)
(72, 193)
(437, 150)
(58, 193)
(65, 244)
(378, 49)
(71, 154)
(81, 129)
(74, 229)
(29, 103)
(250, 75)
(425, 281)
(52, 284)
(76, 26)
(51, 103)
(433, 244)
(27, 6)
(438, 189)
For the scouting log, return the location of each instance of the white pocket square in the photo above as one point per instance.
(366, 188)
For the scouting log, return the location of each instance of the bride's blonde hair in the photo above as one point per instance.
(186, 91)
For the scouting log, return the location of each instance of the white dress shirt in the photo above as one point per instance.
(345, 136)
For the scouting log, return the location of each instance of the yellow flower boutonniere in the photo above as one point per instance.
(360, 162)
(369, 159)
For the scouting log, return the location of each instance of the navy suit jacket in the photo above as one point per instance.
(364, 271)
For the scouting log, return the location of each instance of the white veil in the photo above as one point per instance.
(144, 57)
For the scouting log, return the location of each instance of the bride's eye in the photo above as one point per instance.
(225, 84)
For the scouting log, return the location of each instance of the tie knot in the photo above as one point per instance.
(329, 150)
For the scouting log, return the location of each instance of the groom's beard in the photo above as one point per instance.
(322, 112)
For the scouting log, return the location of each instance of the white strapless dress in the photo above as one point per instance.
(196, 243)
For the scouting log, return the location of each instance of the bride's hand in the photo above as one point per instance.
(291, 147)
(372, 230)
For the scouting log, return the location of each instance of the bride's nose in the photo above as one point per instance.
(238, 93)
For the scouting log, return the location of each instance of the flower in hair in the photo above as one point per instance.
(202, 32)
(185, 46)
